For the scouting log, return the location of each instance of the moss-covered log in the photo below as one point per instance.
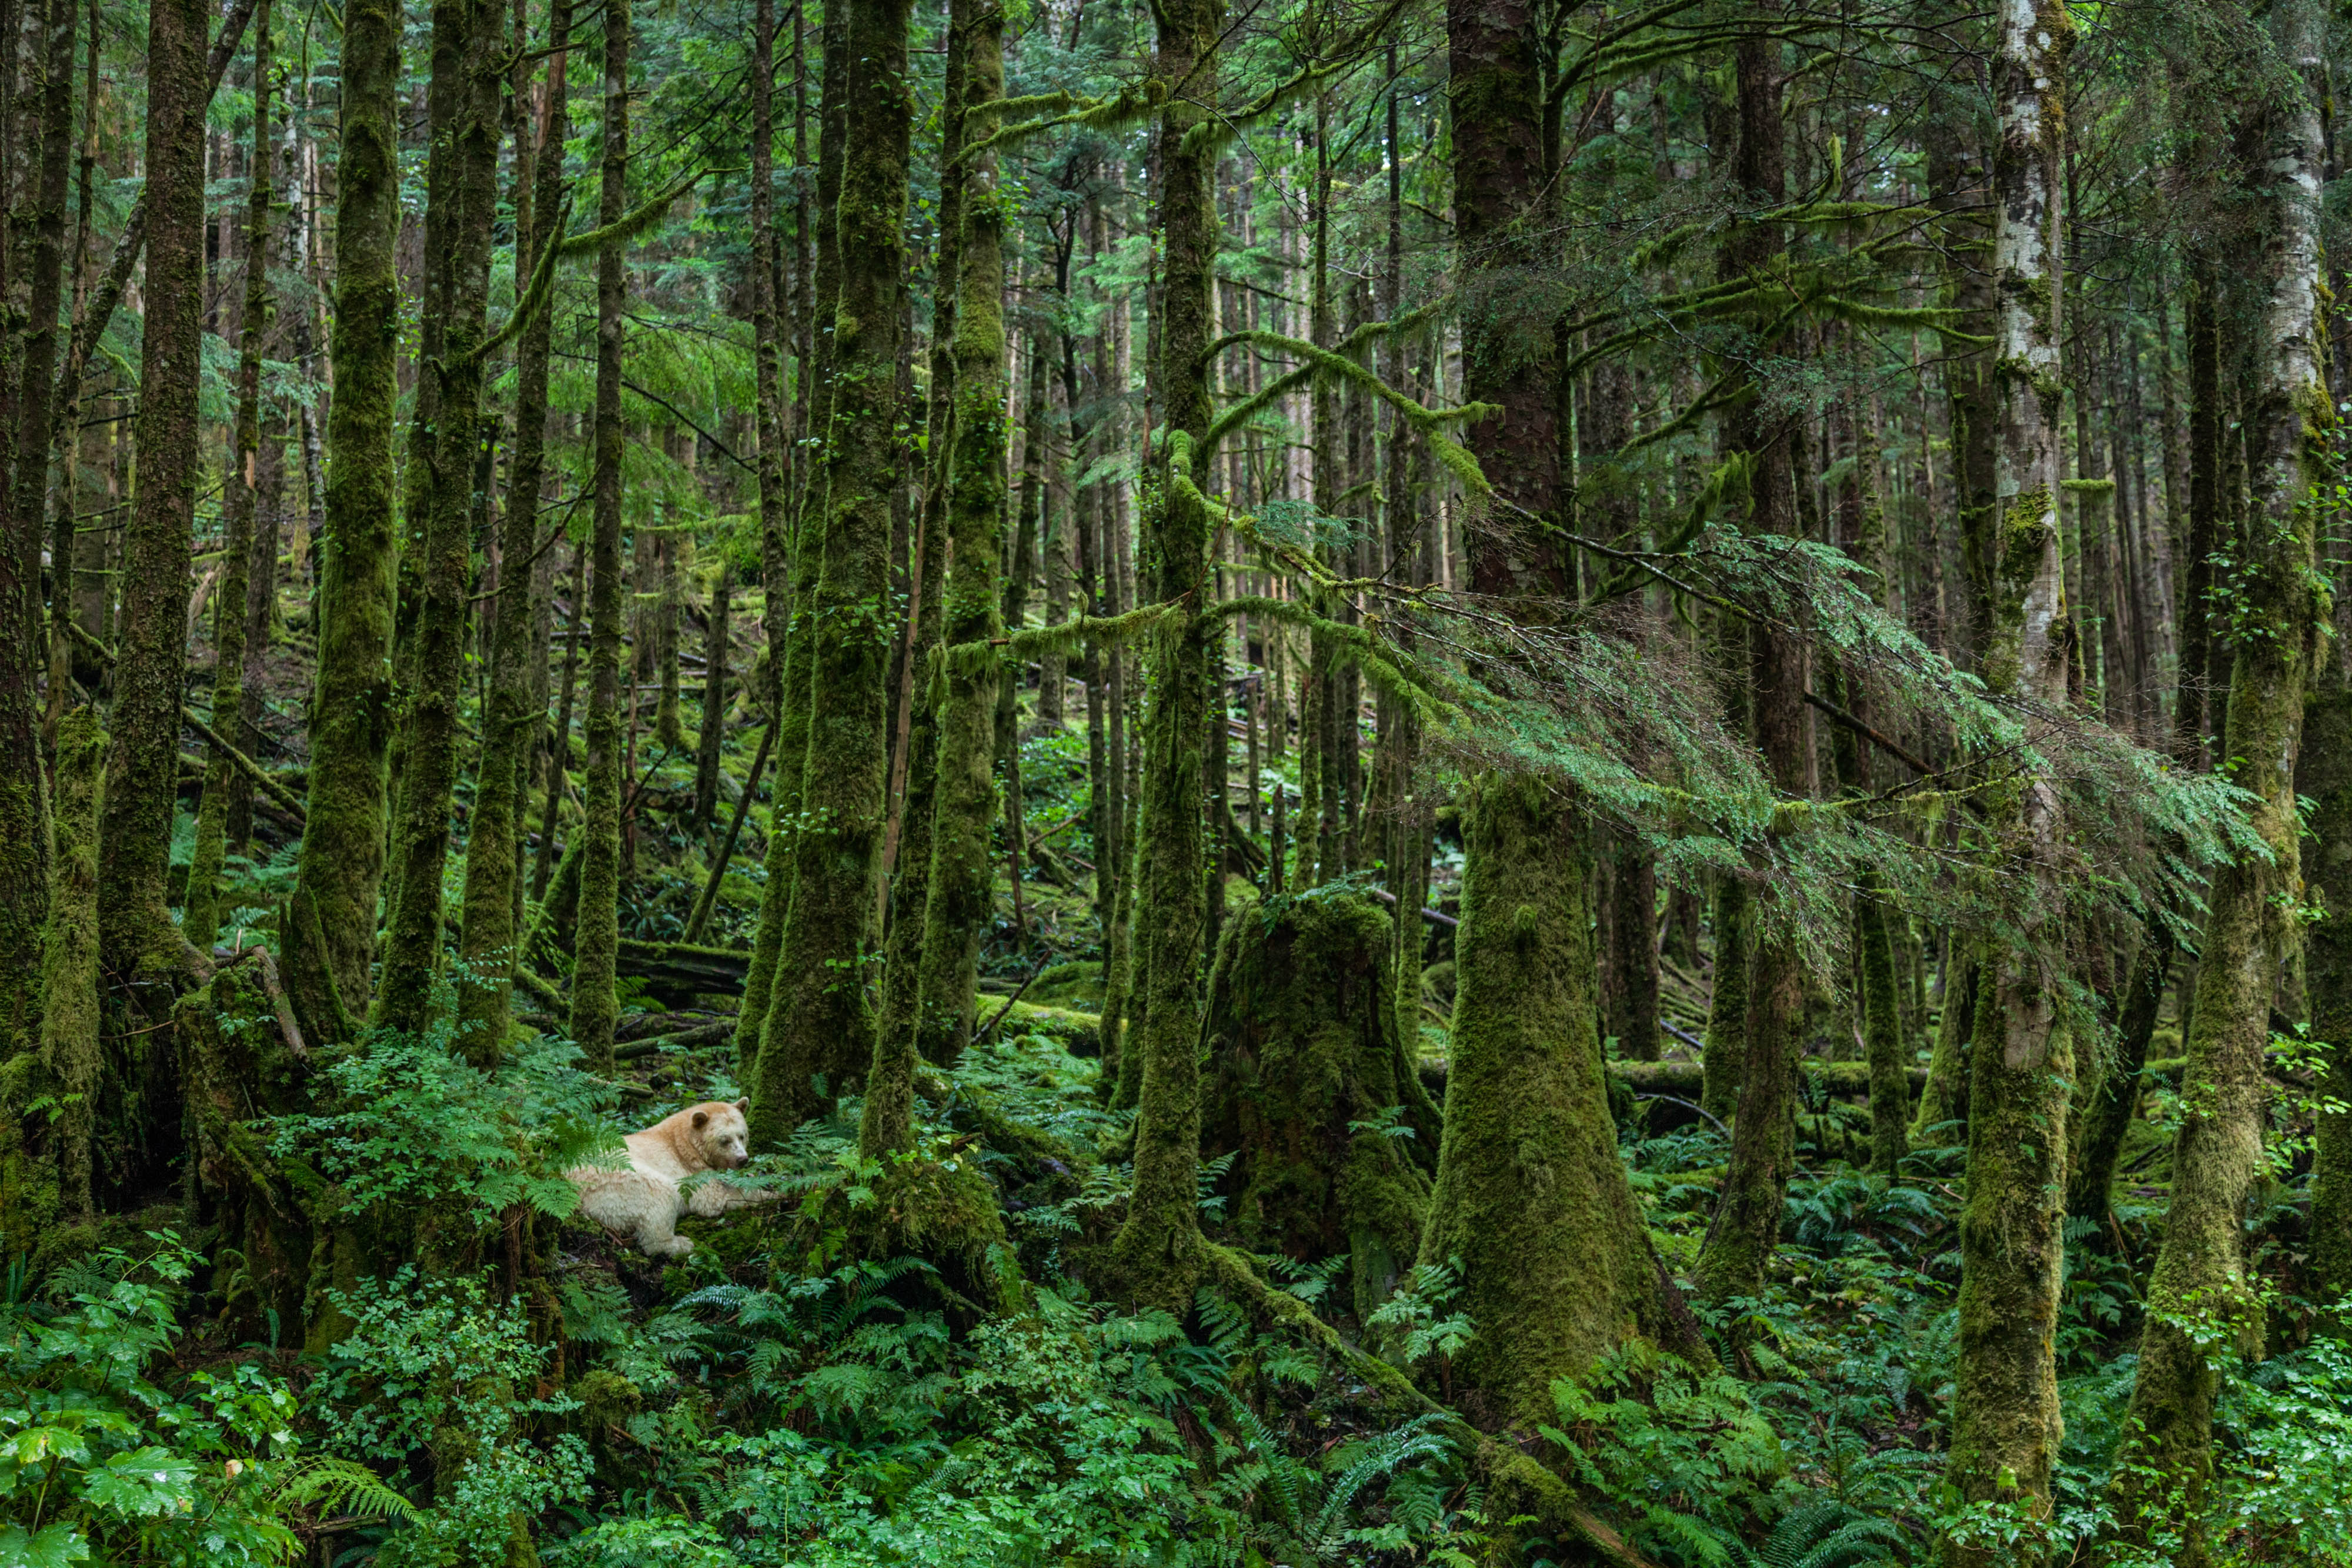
(1305, 1092)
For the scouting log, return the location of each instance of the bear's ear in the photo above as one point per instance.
(744, 1103)
(701, 1120)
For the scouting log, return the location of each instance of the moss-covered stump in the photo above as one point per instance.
(1080, 1034)
(1308, 1092)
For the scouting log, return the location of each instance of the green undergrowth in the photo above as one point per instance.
(912, 1362)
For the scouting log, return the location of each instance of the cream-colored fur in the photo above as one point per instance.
(647, 1200)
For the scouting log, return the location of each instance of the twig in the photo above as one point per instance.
(1007, 1008)
(1686, 1106)
(1434, 918)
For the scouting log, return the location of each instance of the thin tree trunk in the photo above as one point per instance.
(596, 943)
(1747, 1225)
(790, 641)
(912, 894)
(511, 722)
(709, 738)
(200, 921)
(467, 74)
(1158, 1255)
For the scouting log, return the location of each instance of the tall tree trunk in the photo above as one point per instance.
(332, 944)
(1157, 1255)
(23, 812)
(960, 888)
(468, 72)
(512, 722)
(200, 921)
(2201, 1292)
(1531, 1196)
(900, 1026)
(818, 1036)
(596, 943)
(2005, 1420)
(790, 637)
(135, 933)
(1747, 1225)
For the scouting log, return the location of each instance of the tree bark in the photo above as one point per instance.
(512, 723)
(200, 921)
(2005, 1422)
(818, 1036)
(2201, 1294)
(1157, 1254)
(135, 933)
(332, 944)
(596, 945)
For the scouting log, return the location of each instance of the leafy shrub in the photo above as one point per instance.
(99, 1460)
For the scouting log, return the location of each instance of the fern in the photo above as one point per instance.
(328, 1486)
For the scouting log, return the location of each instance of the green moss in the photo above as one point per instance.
(961, 892)
(1726, 1008)
(817, 1038)
(70, 1053)
(330, 946)
(1304, 1091)
(1530, 1194)
(1945, 1099)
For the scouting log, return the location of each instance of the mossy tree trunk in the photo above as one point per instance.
(1157, 1254)
(1530, 1199)
(818, 1036)
(709, 739)
(897, 1031)
(1747, 1225)
(961, 892)
(330, 945)
(24, 814)
(787, 626)
(2324, 774)
(2005, 1419)
(596, 943)
(1301, 1035)
(490, 944)
(71, 1055)
(201, 919)
(465, 90)
(2201, 1295)
(136, 929)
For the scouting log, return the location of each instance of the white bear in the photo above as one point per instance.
(645, 1202)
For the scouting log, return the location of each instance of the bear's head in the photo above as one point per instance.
(721, 1135)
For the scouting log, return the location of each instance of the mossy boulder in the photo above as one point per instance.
(1310, 1093)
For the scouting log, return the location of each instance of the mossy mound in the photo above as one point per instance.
(1076, 986)
(1079, 1033)
(1309, 1091)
